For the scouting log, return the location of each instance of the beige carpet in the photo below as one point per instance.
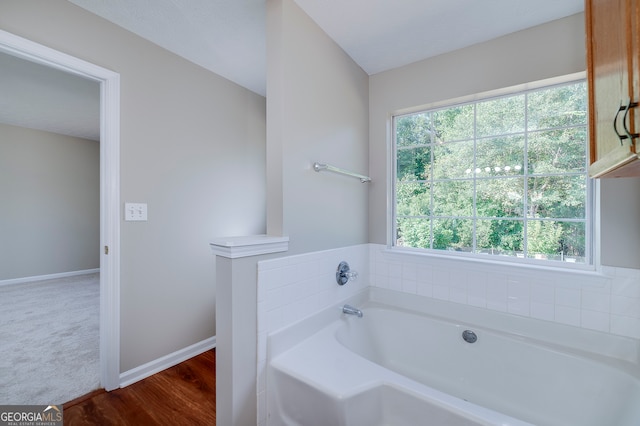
(49, 340)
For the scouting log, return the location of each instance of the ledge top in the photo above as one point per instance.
(248, 245)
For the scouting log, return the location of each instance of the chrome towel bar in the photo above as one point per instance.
(318, 167)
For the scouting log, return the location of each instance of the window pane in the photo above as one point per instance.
(411, 232)
(500, 197)
(453, 160)
(500, 237)
(574, 241)
(453, 198)
(413, 164)
(454, 124)
(557, 107)
(453, 234)
(558, 151)
(413, 130)
(556, 197)
(413, 199)
(502, 176)
(543, 239)
(500, 116)
(559, 241)
(500, 156)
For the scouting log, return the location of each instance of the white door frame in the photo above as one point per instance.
(109, 189)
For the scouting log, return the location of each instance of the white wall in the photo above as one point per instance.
(541, 52)
(550, 50)
(192, 147)
(606, 301)
(317, 110)
(619, 239)
(50, 192)
(295, 287)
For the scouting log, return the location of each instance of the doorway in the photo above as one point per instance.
(109, 82)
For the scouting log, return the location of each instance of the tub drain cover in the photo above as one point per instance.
(469, 336)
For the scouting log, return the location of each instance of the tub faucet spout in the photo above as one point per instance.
(350, 310)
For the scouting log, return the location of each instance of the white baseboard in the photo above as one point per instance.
(48, 277)
(155, 366)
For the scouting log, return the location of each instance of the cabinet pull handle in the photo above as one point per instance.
(624, 120)
(615, 123)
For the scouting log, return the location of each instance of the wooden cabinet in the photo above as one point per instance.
(613, 69)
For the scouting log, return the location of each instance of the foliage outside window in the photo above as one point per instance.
(503, 176)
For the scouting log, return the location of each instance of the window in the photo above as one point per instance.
(501, 176)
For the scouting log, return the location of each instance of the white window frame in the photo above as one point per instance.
(591, 230)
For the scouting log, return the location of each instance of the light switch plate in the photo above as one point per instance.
(135, 211)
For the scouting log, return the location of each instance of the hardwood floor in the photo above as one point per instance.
(181, 395)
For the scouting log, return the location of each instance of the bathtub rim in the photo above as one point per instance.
(619, 352)
(285, 338)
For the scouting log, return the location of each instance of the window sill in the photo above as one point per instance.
(504, 262)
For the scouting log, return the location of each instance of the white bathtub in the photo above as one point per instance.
(405, 363)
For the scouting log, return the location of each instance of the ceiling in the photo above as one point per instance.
(39, 97)
(228, 37)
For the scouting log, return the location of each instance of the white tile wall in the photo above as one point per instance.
(608, 300)
(292, 288)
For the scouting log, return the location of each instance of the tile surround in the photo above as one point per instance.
(294, 287)
(608, 300)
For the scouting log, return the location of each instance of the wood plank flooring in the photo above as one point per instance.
(181, 395)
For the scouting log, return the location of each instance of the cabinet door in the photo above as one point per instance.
(634, 71)
(609, 61)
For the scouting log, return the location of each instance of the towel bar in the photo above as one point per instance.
(318, 167)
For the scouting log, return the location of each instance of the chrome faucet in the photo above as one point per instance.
(344, 273)
(350, 310)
